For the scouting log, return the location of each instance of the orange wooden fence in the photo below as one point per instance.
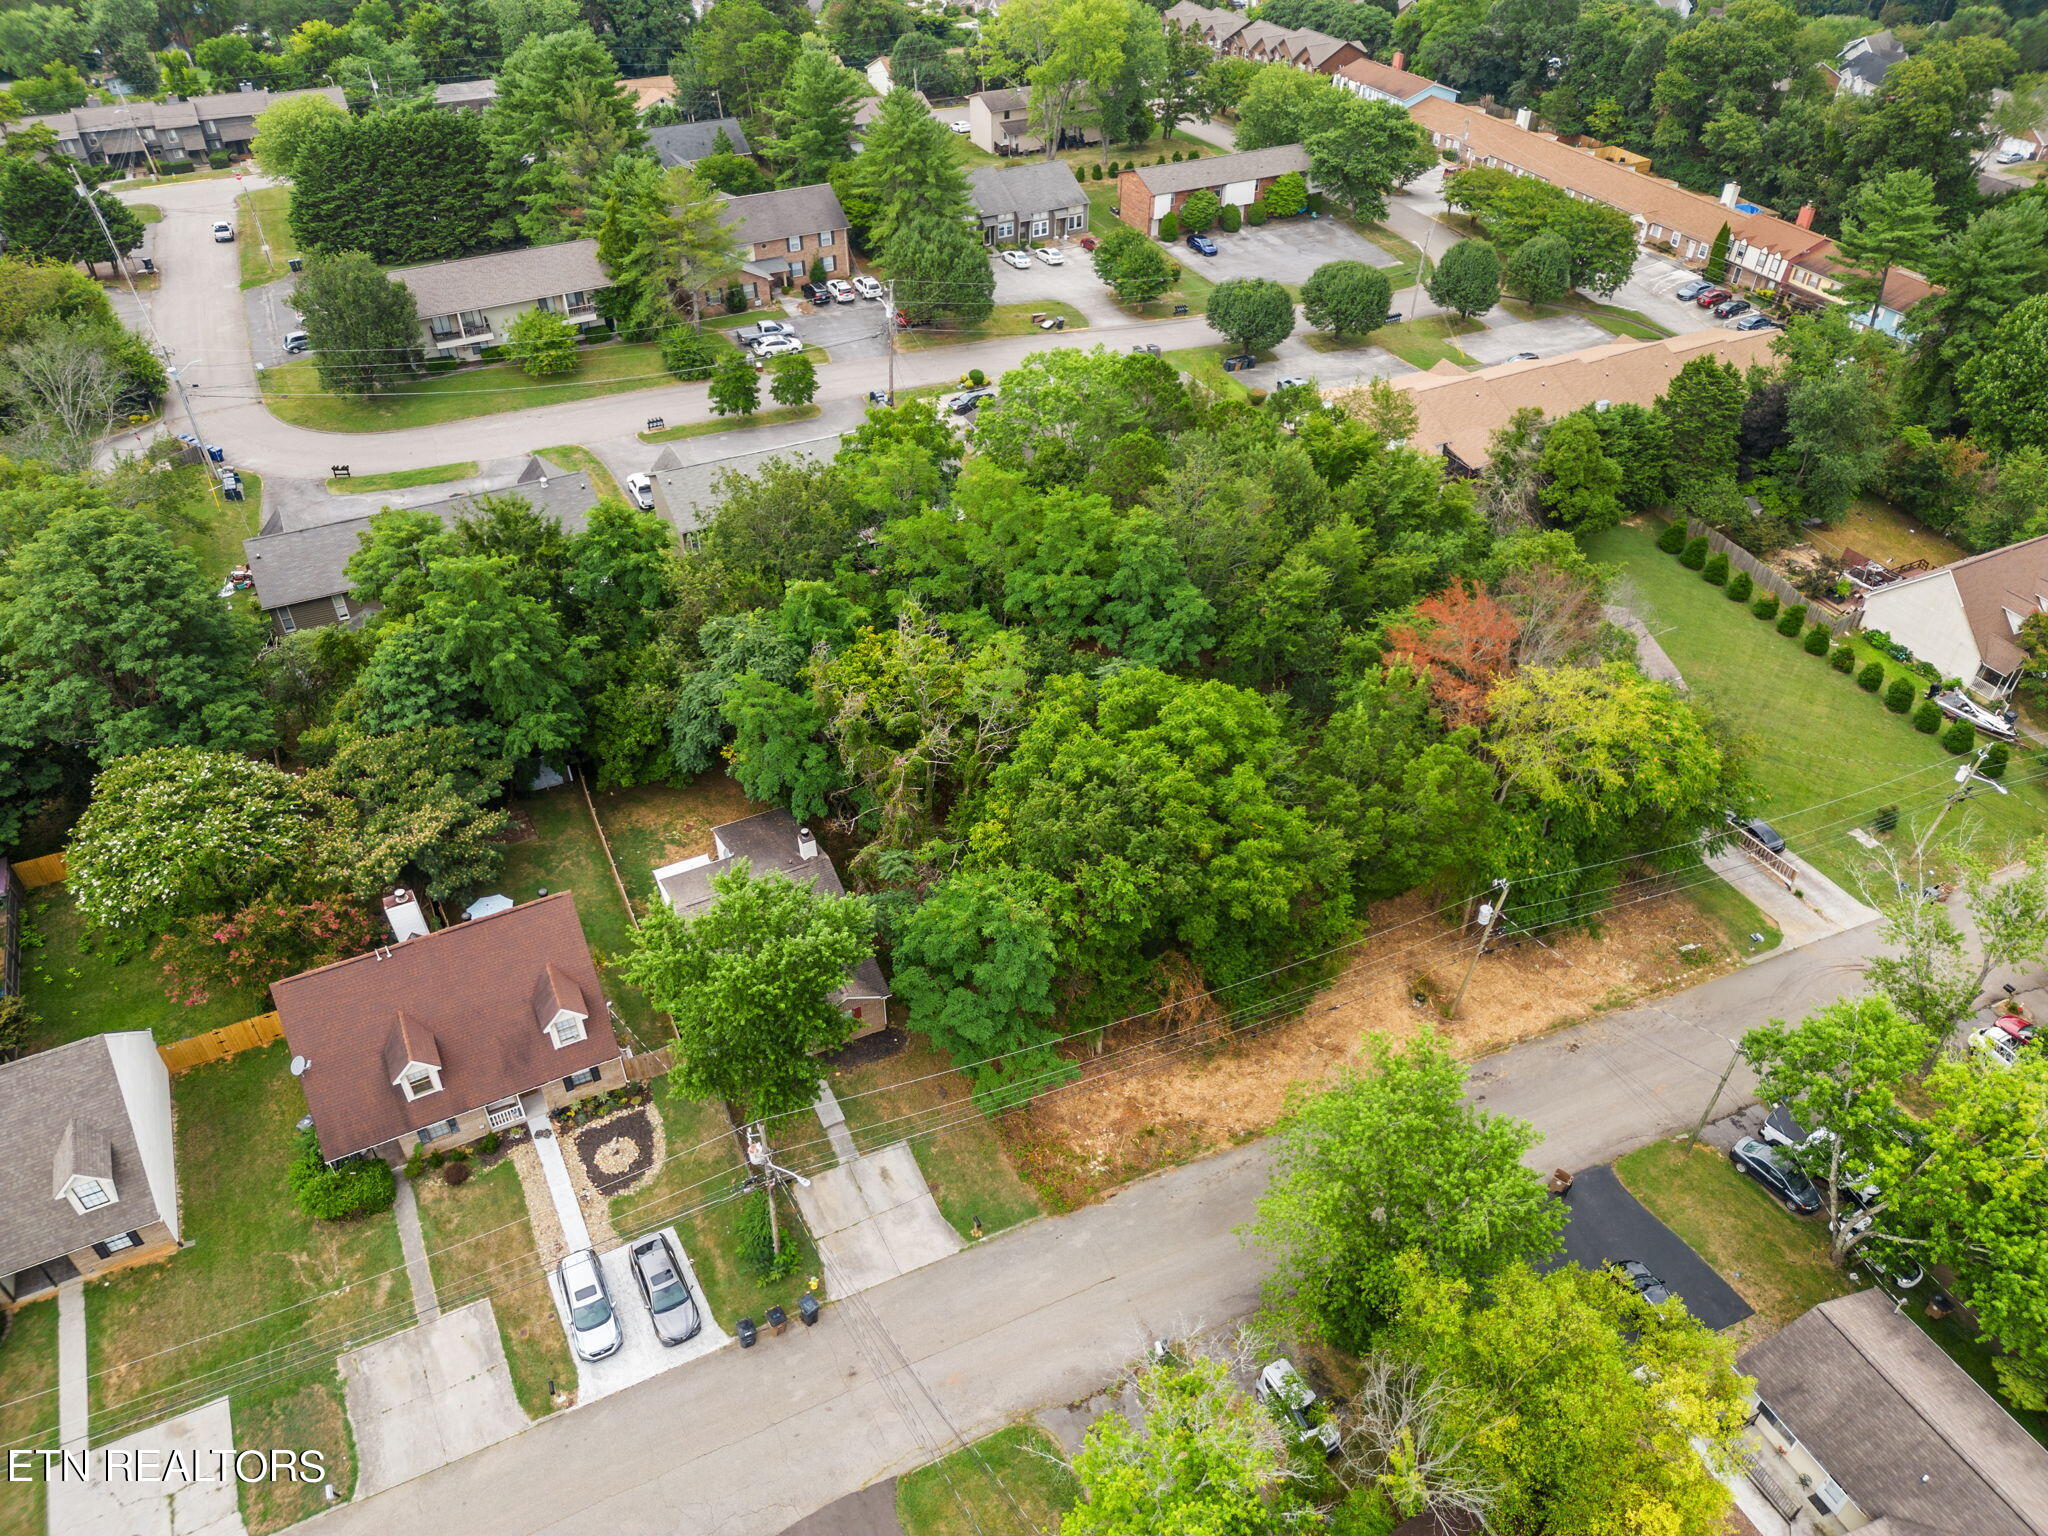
(47, 870)
(228, 1040)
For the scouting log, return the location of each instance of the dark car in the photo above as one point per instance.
(1763, 832)
(1756, 323)
(1640, 1280)
(1524, 357)
(1201, 245)
(1712, 297)
(665, 1291)
(1775, 1172)
(816, 293)
(968, 401)
(1693, 289)
(1731, 308)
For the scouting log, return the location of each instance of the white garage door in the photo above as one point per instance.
(1240, 192)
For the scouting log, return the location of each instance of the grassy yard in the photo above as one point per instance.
(573, 458)
(775, 415)
(965, 1164)
(656, 824)
(264, 242)
(28, 1408)
(1204, 365)
(1736, 915)
(1015, 1480)
(208, 174)
(1085, 160)
(294, 395)
(479, 1243)
(76, 988)
(260, 1301)
(704, 1164)
(1006, 320)
(1881, 531)
(1425, 343)
(402, 479)
(1819, 741)
(217, 542)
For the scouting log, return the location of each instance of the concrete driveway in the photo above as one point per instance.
(428, 1396)
(194, 1496)
(1288, 251)
(641, 1354)
(1607, 1222)
(874, 1219)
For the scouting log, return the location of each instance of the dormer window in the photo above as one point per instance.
(567, 1028)
(88, 1194)
(418, 1080)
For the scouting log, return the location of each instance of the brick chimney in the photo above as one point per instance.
(1805, 216)
(1400, 61)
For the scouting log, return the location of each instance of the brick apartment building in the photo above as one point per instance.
(1146, 194)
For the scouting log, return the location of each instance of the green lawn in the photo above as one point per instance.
(218, 540)
(1426, 342)
(264, 242)
(401, 479)
(168, 181)
(480, 1243)
(656, 824)
(147, 213)
(1407, 256)
(1006, 320)
(77, 988)
(294, 395)
(775, 415)
(1204, 365)
(573, 458)
(1819, 741)
(28, 1408)
(1882, 532)
(1013, 1481)
(1734, 913)
(1085, 160)
(259, 1302)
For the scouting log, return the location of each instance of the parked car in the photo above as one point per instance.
(1762, 831)
(1524, 357)
(1995, 1046)
(1051, 255)
(1756, 323)
(841, 290)
(968, 401)
(1730, 308)
(1773, 1169)
(959, 127)
(665, 1291)
(1201, 245)
(2021, 1031)
(1281, 1389)
(868, 288)
(1879, 1253)
(296, 342)
(593, 1325)
(777, 346)
(223, 231)
(1291, 381)
(815, 292)
(641, 489)
(747, 335)
(1088, 242)
(1018, 259)
(1638, 1277)
(1693, 289)
(2011, 157)
(1781, 1130)
(1711, 296)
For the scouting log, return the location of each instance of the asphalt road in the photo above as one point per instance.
(1607, 1222)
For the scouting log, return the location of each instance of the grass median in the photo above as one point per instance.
(1015, 1480)
(294, 395)
(264, 242)
(401, 479)
(774, 416)
(579, 460)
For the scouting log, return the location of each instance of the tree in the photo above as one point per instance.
(1072, 54)
(1467, 279)
(122, 31)
(743, 52)
(1360, 150)
(622, 573)
(1060, 409)
(1602, 241)
(1347, 298)
(32, 36)
(814, 123)
(1287, 196)
(543, 342)
(288, 126)
(735, 387)
(795, 380)
(414, 807)
(863, 30)
(749, 983)
(1134, 266)
(1836, 435)
(924, 230)
(1894, 222)
(1985, 272)
(1541, 270)
(1395, 1163)
(2004, 388)
(39, 207)
(664, 240)
(62, 385)
(361, 324)
(1582, 486)
(1716, 269)
(778, 751)
(1461, 643)
(1253, 313)
(403, 186)
(1704, 406)
(920, 62)
(557, 120)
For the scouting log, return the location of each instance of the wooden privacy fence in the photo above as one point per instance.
(228, 1040)
(1768, 579)
(646, 1064)
(47, 870)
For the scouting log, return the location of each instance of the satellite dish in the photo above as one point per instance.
(299, 1065)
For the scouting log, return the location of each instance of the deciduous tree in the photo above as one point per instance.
(1461, 642)
(544, 343)
(1582, 486)
(1253, 313)
(285, 128)
(1347, 298)
(735, 386)
(362, 324)
(1467, 279)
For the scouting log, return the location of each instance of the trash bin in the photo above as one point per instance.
(746, 1332)
(807, 1311)
(778, 1321)
(297, 264)
(216, 453)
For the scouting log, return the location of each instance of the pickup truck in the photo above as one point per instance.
(749, 335)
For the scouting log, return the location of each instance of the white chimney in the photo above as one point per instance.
(806, 844)
(402, 911)
(1524, 118)
(1730, 191)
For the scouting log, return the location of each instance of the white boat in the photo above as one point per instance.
(1960, 706)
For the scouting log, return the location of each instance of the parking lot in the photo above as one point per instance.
(1607, 1222)
(1288, 251)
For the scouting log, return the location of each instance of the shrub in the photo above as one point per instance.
(359, 1186)
(455, 1173)
(1958, 736)
(1885, 819)
(976, 378)
(1739, 587)
(1255, 212)
(17, 1022)
(1765, 607)
(1898, 696)
(1843, 659)
(219, 159)
(736, 298)
(755, 1239)
(1229, 220)
(1927, 717)
(1694, 555)
(1715, 572)
(488, 1143)
(1792, 621)
(1672, 539)
(1169, 228)
(1817, 640)
(691, 354)
(1096, 174)
(1871, 678)
(1996, 756)
(1177, 157)
(416, 1165)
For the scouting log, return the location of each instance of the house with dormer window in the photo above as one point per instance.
(446, 1034)
(88, 1175)
(1965, 617)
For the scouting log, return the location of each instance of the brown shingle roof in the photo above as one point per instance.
(1903, 288)
(1398, 83)
(1216, 170)
(1997, 589)
(523, 276)
(465, 994)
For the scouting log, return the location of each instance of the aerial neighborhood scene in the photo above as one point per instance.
(1024, 768)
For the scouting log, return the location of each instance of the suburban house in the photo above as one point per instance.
(1861, 66)
(780, 234)
(1457, 413)
(773, 842)
(1965, 617)
(135, 133)
(1766, 252)
(1145, 194)
(1028, 202)
(686, 494)
(2031, 145)
(1390, 82)
(470, 303)
(1298, 47)
(1903, 288)
(302, 573)
(443, 1036)
(687, 143)
(88, 1173)
(1861, 1421)
(999, 123)
(465, 95)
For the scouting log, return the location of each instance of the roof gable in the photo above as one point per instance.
(785, 212)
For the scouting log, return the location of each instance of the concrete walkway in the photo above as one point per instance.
(1650, 656)
(575, 1231)
(833, 1118)
(74, 1395)
(413, 1243)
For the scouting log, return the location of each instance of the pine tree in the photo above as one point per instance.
(923, 223)
(558, 92)
(815, 121)
(1717, 256)
(1895, 222)
(1704, 405)
(663, 240)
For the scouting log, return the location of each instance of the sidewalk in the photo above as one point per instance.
(575, 1232)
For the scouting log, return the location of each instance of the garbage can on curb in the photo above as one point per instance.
(746, 1331)
(807, 1310)
(778, 1321)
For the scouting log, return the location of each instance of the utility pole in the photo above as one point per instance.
(113, 251)
(1489, 914)
(889, 326)
(1967, 779)
(1707, 1114)
(768, 1176)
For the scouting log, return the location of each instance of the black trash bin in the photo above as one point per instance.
(807, 1311)
(778, 1320)
(746, 1333)
(297, 264)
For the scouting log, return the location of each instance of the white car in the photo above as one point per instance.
(841, 290)
(777, 346)
(2011, 157)
(593, 1325)
(1292, 381)
(223, 232)
(1051, 255)
(641, 489)
(1995, 1046)
(1281, 1389)
(1018, 260)
(867, 287)
(959, 127)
